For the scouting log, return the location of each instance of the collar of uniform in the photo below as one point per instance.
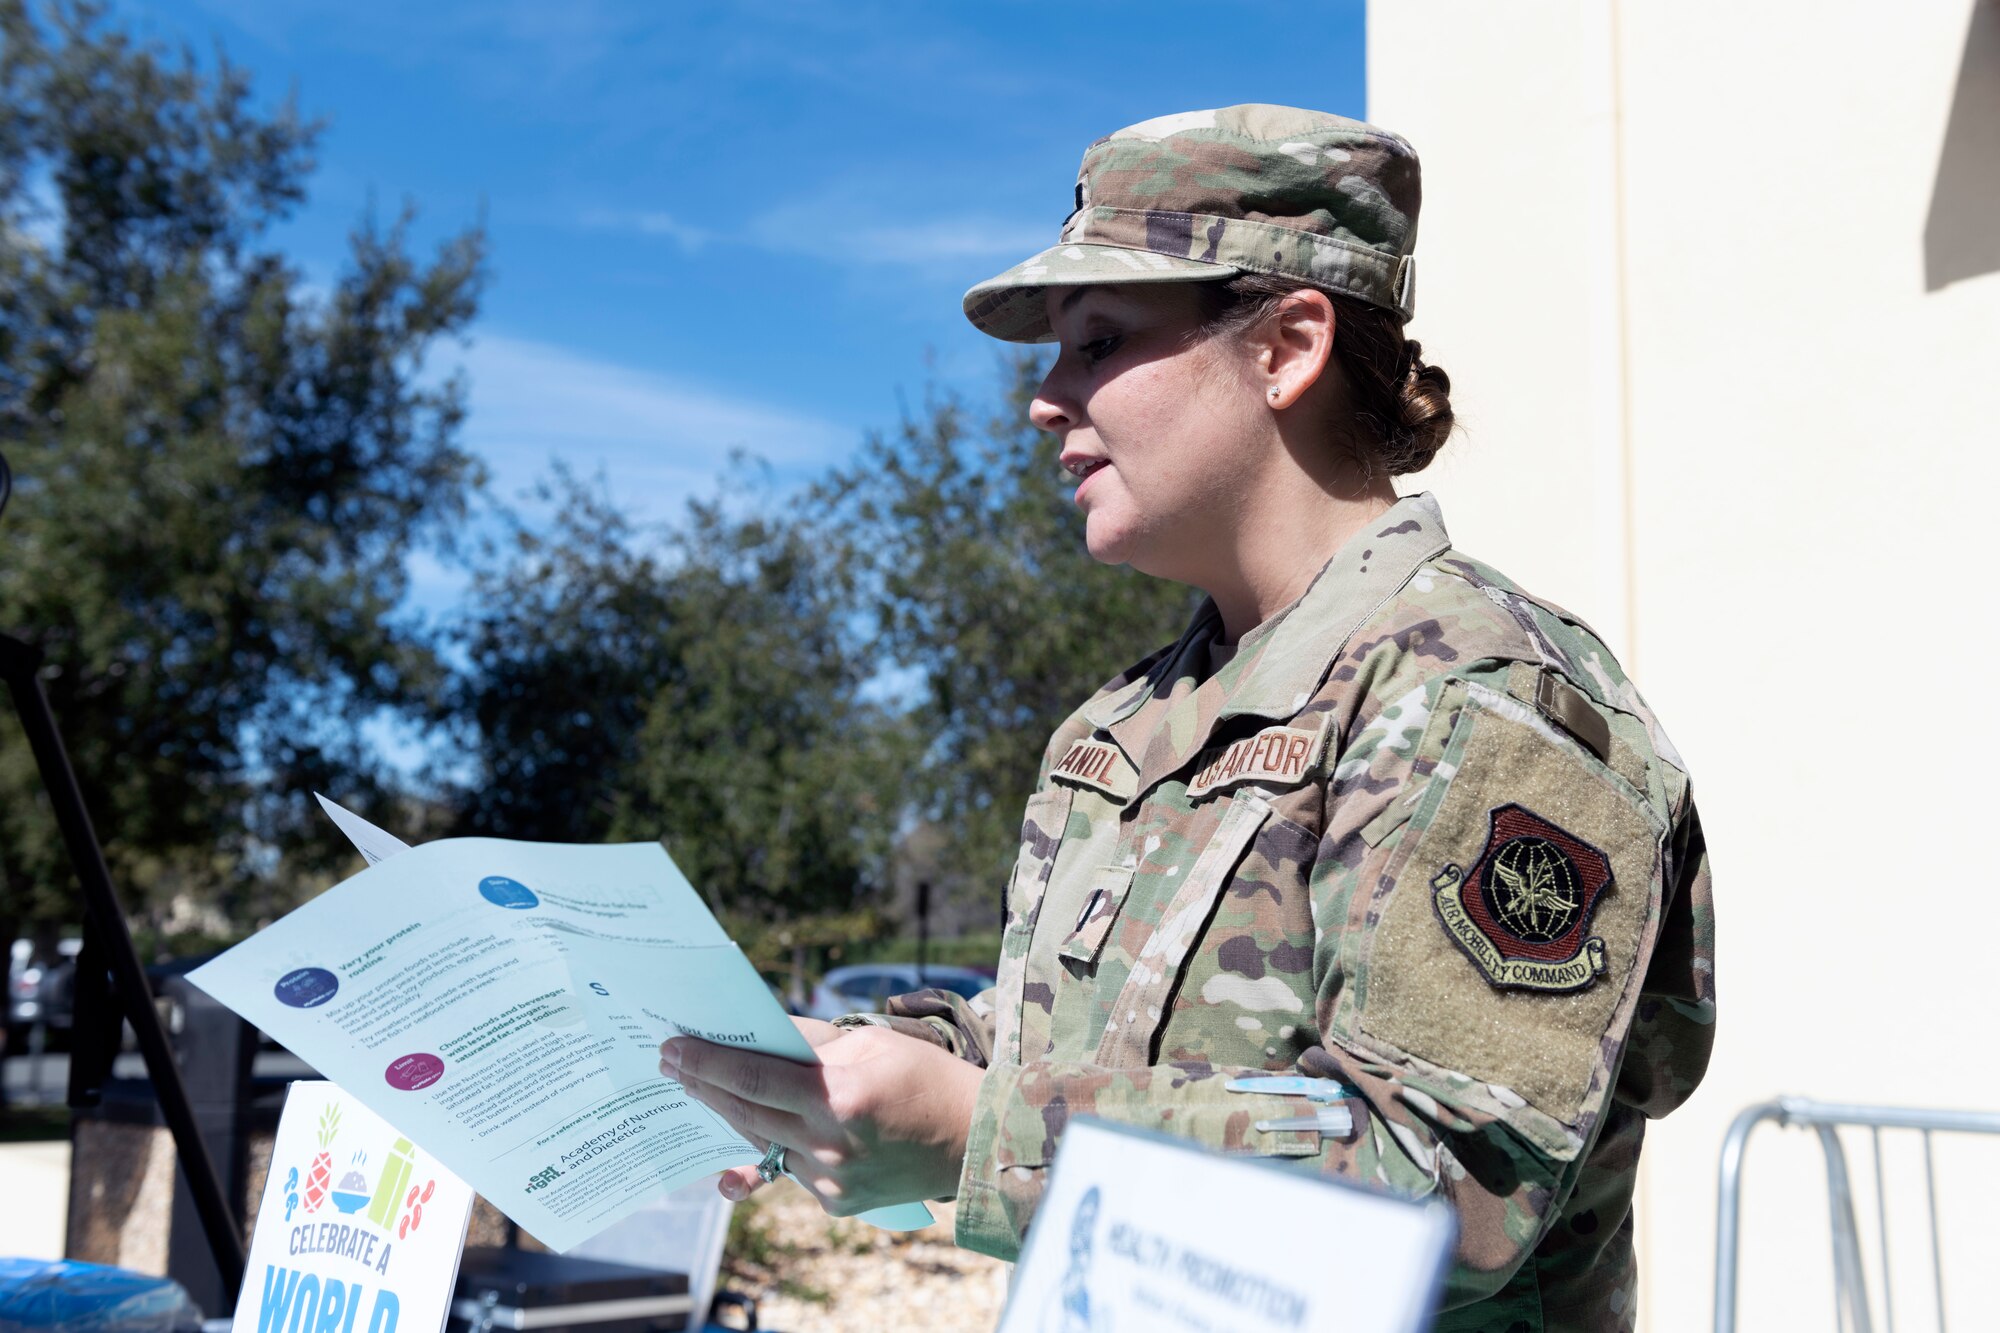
(1179, 660)
(1280, 664)
(1295, 648)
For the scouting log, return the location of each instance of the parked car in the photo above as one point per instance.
(863, 987)
(39, 990)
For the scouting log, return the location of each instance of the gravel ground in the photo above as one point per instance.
(812, 1273)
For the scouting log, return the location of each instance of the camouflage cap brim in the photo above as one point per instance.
(1010, 306)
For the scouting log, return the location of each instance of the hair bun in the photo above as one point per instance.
(1424, 416)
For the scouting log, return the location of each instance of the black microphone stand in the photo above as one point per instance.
(107, 947)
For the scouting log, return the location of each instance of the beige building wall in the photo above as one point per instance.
(1718, 285)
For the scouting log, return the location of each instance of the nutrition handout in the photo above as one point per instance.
(502, 1003)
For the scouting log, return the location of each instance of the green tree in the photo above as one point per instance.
(961, 531)
(219, 475)
(568, 636)
(699, 686)
(762, 758)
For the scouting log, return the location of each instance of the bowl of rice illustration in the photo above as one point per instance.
(351, 1194)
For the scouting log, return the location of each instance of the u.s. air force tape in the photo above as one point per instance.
(1281, 756)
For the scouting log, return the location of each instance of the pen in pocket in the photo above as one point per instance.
(1337, 1121)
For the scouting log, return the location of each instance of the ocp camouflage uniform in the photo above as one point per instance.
(1419, 834)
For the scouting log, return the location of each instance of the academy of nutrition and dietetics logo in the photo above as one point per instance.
(1521, 912)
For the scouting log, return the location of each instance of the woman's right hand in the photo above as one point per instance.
(882, 1119)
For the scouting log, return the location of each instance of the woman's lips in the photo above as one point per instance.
(1090, 470)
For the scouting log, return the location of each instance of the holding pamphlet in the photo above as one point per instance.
(502, 1004)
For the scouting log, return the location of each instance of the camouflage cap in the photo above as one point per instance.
(1204, 195)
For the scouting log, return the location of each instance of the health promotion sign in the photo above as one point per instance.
(359, 1231)
(1138, 1231)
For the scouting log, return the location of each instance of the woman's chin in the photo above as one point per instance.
(1143, 548)
(1106, 541)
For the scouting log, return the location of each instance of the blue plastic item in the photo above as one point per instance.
(71, 1297)
(1293, 1085)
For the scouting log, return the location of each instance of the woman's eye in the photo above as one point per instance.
(1099, 348)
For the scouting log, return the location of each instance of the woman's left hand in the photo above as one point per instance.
(882, 1119)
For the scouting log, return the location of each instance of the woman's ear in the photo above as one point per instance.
(1293, 344)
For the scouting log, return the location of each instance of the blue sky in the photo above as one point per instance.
(731, 225)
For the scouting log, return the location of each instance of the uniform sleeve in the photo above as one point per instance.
(1488, 895)
(1673, 1031)
(944, 1018)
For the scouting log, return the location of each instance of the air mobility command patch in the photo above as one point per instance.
(1521, 913)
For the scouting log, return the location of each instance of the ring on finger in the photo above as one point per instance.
(773, 1164)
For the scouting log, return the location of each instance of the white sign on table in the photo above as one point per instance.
(359, 1231)
(1141, 1231)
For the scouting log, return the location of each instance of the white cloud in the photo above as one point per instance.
(929, 242)
(807, 229)
(683, 234)
(657, 441)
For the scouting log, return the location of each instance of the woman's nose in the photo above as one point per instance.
(1048, 410)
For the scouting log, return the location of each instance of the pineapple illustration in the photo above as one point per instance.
(319, 1180)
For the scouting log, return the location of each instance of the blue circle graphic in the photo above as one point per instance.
(504, 892)
(306, 987)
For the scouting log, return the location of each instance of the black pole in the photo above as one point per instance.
(923, 927)
(216, 1052)
(94, 1030)
(19, 667)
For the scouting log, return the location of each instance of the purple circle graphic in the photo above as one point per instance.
(504, 892)
(412, 1073)
(306, 987)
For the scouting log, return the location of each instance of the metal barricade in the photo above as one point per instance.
(1850, 1278)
